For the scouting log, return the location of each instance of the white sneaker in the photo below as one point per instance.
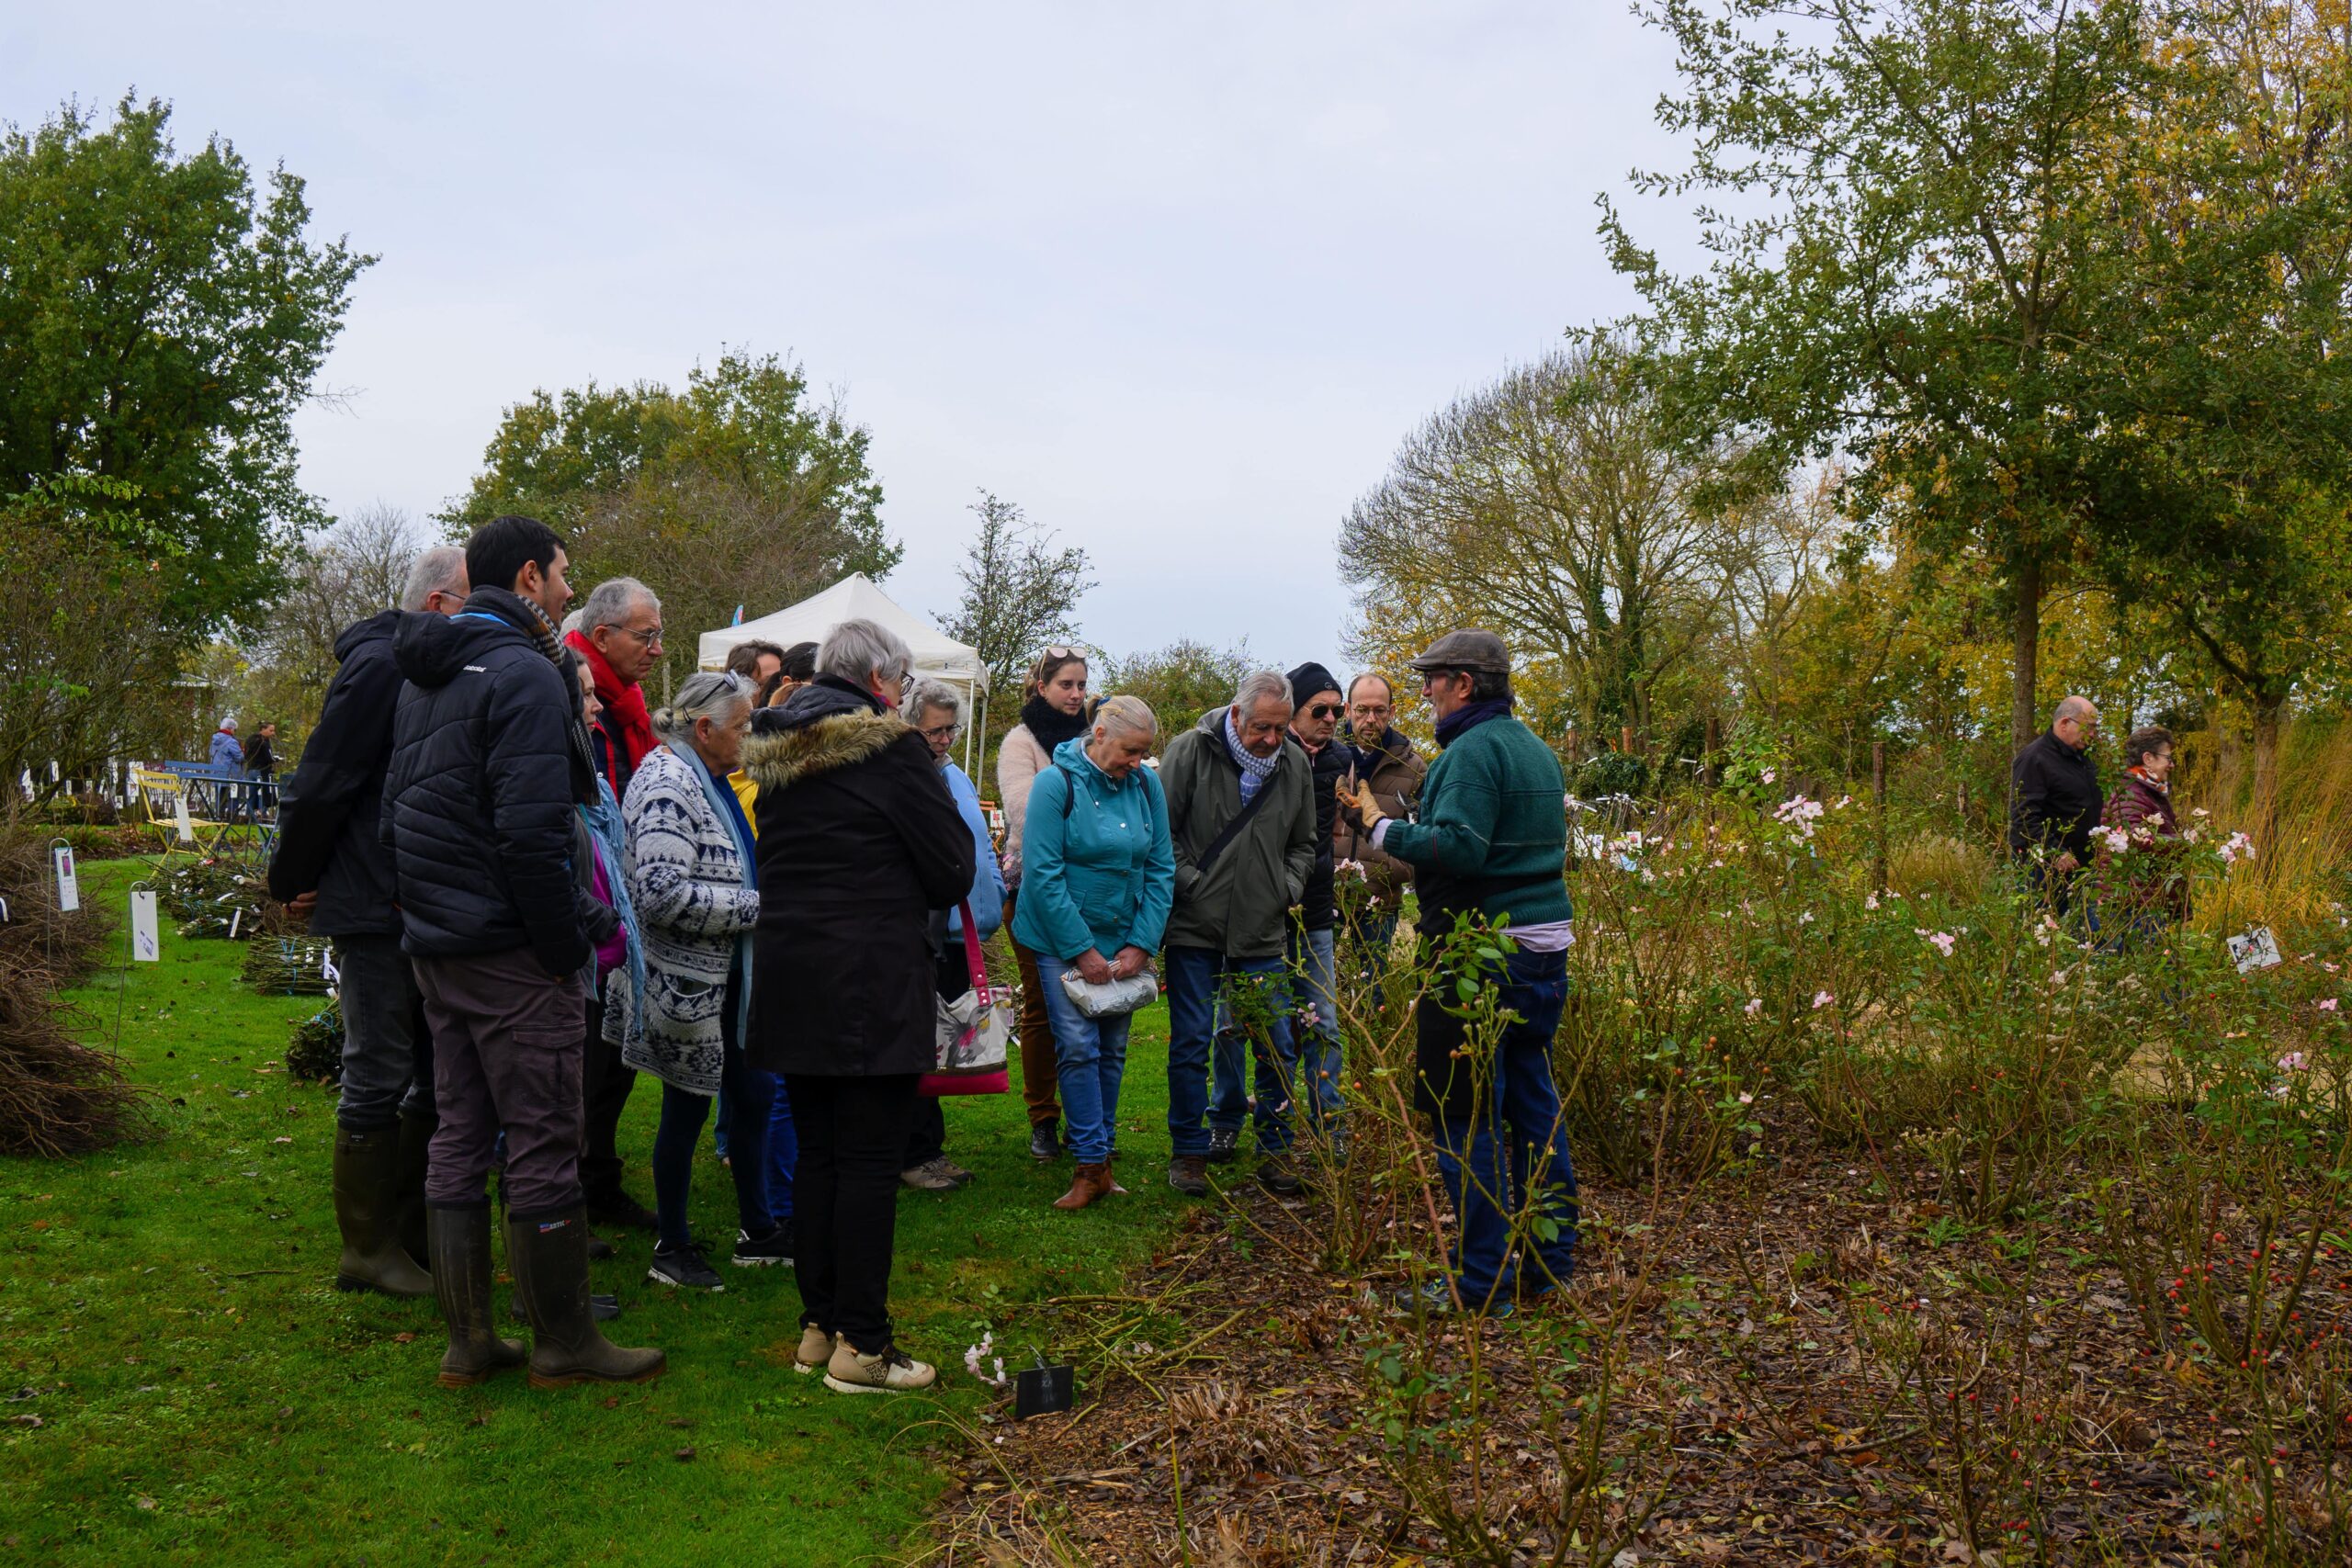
(815, 1350)
(892, 1371)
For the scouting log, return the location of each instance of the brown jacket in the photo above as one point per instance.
(1394, 778)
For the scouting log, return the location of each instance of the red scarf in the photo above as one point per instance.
(624, 704)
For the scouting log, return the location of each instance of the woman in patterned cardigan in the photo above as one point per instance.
(694, 877)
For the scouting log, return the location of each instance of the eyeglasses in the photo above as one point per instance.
(943, 732)
(650, 636)
(1325, 710)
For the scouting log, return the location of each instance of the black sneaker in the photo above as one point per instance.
(761, 1252)
(1044, 1143)
(599, 1249)
(617, 1209)
(1225, 1144)
(686, 1267)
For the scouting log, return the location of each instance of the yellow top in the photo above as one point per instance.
(747, 790)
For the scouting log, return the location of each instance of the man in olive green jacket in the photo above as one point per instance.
(1242, 812)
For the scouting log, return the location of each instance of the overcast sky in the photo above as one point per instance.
(1175, 279)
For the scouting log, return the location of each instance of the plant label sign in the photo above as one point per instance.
(1044, 1390)
(180, 823)
(2258, 949)
(146, 940)
(69, 892)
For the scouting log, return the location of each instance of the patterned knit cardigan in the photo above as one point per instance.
(689, 882)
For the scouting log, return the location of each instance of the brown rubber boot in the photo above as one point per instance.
(367, 1211)
(458, 1240)
(1087, 1183)
(549, 1258)
(416, 1148)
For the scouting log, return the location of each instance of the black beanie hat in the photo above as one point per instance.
(1308, 679)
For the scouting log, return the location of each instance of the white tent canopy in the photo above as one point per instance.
(853, 598)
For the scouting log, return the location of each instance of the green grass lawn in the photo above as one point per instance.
(183, 1383)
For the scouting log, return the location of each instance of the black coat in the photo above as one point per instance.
(329, 838)
(859, 842)
(478, 806)
(2054, 799)
(1318, 909)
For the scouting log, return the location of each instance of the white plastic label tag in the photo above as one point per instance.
(146, 942)
(69, 892)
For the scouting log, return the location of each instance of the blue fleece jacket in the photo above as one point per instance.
(1098, 869)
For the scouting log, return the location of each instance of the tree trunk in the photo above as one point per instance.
(2268, 721)
(2025, 721)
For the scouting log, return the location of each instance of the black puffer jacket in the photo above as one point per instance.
(484, 773)
(2054, 799)
(1317, 908)
(859, 841)
(328, 835)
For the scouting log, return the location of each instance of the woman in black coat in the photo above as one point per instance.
(859, 841)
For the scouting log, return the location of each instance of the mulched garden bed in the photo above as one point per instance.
(1245, 1431)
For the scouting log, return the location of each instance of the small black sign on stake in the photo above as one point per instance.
(1043, 1390)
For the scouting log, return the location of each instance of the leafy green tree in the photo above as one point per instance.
(746, 423)
(1915, 266)
(161, 320)
(1179, 683)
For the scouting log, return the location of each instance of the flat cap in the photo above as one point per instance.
(1470, 649)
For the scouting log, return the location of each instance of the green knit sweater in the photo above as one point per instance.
(1493, 833)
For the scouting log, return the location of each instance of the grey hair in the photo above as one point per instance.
(2073, 707)
(854, 650)
(927, 694)
(609, 603)
(714, 695)
(571, 622)
(1259, 685)
(437, 570)
(1125, 715)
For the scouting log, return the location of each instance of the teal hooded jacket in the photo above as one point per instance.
(1097, 867)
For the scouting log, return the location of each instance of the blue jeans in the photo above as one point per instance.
(1513, 1146)
(1199, 1025)
(1090, 1058)
(725, 1120)
(681, 1128)
(784, 1150)
(1313, 977)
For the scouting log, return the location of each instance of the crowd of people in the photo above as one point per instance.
(763, 893)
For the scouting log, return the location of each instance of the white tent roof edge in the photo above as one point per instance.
(854, 597)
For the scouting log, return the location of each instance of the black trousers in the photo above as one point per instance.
(606, 1086)
(845, 1198)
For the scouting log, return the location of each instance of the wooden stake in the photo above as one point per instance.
(1878, 811)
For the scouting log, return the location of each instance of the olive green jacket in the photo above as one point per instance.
(1239, 907)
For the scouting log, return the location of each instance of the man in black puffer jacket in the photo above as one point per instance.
(488, 760)
(1313, 965)
(331, 866)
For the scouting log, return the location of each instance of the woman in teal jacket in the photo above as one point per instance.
(1098, 874)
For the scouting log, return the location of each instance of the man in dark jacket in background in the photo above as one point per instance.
(488, 760)
(1243, 823)
(1383, 762)
(331, 866)
(1315, 1019)
(2054, 801)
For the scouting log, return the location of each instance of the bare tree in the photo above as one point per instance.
(1020, 592)
(1554, 507)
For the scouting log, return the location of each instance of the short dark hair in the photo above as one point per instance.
(800, 661)
(503, 547)
(2140, 741)
(743, 658)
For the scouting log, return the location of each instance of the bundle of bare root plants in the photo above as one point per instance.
(1921, 1222)
(57, 1097)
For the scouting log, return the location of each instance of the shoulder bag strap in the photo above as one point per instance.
(1232, 830)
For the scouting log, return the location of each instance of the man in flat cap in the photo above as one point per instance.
(1491, 845)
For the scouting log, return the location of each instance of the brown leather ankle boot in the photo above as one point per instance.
(1087, 1183)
